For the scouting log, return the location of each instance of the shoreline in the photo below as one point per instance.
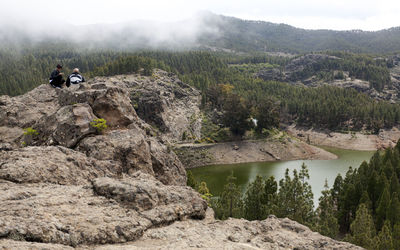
(265, 150)
(351, 141)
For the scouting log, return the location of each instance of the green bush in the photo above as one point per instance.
(29, 134)
(99, 124)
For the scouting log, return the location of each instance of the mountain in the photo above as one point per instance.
(246, 35)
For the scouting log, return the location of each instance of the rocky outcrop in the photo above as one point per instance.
(119, 188)
(169, 104)
(272, 233)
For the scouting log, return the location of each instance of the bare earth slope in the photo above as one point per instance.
(72, 187)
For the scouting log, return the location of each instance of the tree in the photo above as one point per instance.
(382, 209)
(267, 114)
(191, 181)
(396, 236)
(327, 223)
(384, 239)
(270, 195)
(236, 115)
(295, 198)
(205, 193)
(230, 203)
(362, 229)
(254, 207)
(393, 211)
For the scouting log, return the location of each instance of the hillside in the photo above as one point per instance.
(245, 35)
(68, 183)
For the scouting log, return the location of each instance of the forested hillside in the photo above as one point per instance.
(245, 35)
(223, 87)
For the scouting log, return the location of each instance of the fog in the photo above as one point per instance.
(175, 23)
(130, 34)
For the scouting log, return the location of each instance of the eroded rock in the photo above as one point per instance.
(53, 165)
(69, 125)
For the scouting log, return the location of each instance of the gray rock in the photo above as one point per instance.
(53, 165)
(25, 110)
(169, 104)
(68, 126)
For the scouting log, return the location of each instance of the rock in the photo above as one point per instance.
(156, 202)
(107, 191)
(118, 211)
(53, 165)
(108, 101)
(24, 245)
(166, 165)
(25, 110)
(11, 135)
(69, 125)
(170, 105)
(68, 215)
(129, 147)
(136, 153)
(272, 233)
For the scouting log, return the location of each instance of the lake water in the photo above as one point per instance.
(319, 170)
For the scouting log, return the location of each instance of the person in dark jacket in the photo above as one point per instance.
(56, 77)
(75, 78)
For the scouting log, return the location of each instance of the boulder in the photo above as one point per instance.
(68, 126)
(128, 147)
(135, 152)
(109, 102)
(25, 110)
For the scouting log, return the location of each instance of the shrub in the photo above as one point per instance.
(29, 134)
(99, 124)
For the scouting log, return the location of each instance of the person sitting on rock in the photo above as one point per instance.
(56, 79)
(75, 78)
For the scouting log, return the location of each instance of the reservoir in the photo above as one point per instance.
(319, 170)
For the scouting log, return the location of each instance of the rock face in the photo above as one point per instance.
(170, 105)
(77, 187)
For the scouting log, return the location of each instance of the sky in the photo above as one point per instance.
(310, 14)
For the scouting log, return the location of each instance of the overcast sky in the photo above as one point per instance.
(310, 14)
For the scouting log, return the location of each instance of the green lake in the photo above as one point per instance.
(319, 170)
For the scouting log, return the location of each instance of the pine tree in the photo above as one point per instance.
(295, 198)
(230, 202)
(270, 195)
(384, 239)
(393, 211)
(191, 181)
(362, 229)
(383, 206)
(254, 208)
(327, 223)
(396, 236)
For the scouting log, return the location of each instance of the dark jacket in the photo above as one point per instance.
(54, 74)
(74, 78)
